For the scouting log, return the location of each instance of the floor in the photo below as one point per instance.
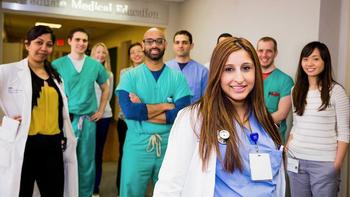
(108, 183)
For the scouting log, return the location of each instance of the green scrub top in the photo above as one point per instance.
(80, 87)
(276, 86)
(140, 81)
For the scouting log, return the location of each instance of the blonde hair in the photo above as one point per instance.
(107, 63)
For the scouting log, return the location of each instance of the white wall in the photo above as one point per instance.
(291, 23)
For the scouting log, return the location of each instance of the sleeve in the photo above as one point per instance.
(182, 88)
(177, 160)
(287, 85)
(133, 111)
(341, 103)
(55, 64)
(125, 82)
(111, 84)
(103, 75)
(179, 104)
(204, 81)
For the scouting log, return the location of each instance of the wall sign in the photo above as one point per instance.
(112, 10)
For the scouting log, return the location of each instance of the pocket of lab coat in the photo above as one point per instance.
(6, 147)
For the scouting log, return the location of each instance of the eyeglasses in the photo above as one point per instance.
(150, 41)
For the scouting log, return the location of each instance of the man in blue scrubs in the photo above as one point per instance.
(79, 73)
(150, 96)
(196, 74)
(277, 84)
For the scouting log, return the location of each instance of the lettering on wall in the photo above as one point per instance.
(131, 11)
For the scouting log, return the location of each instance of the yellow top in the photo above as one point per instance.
(45, 115)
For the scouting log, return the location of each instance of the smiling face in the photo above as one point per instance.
(313, 65)
(266, 53)
(100, 54)
(238, 76)
(40, 48)
(154, 44)
(136, 55)
(78, 42)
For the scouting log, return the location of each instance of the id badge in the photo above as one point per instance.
(260, 166)
(292, 165)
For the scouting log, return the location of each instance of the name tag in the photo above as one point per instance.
(292, 165)
(260, 166)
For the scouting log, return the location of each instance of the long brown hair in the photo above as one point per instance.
(217, 111)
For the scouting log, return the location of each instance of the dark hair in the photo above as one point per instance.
(325, 80)
(132, 45)
(223, 35)
(186, 33)
(77, 29)
(34, 33)
(217, 112)
(37, 31)
(267, 39)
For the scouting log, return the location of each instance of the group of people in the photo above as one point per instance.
(188, 130)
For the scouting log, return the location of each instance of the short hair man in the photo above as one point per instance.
(221, 38)
(150, 96)
(79, 73)
(277, 84)
(195, 73)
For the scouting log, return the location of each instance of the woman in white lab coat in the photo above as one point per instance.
(42, 148)
(226, 144)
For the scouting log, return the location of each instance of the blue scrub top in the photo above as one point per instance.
(239, 183)
(196, 76)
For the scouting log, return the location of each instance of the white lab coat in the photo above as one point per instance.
(16, 99)
(181, 173)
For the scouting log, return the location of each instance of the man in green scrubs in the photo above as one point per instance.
(277, 84)
(150, 96)
(79, 73)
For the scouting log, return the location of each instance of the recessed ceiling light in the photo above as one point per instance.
(52, 25)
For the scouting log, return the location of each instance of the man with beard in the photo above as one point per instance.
(196, 74)
(277, 84)
(150, 96)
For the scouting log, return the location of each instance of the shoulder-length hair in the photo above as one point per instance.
(325, 80)
(107, 63)
(218, 112)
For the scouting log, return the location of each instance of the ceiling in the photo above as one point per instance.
(16, 26)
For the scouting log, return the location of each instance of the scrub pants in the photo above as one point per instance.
(139, 165)
(86, 137)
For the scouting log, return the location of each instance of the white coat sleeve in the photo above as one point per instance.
(178, 156)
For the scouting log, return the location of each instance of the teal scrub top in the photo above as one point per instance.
(276, 86)
(80, 87)
(140, 81)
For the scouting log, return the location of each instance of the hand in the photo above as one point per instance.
(134, 98)
(96, 116)
(18, 118)
(337, 166)
(168, 106)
